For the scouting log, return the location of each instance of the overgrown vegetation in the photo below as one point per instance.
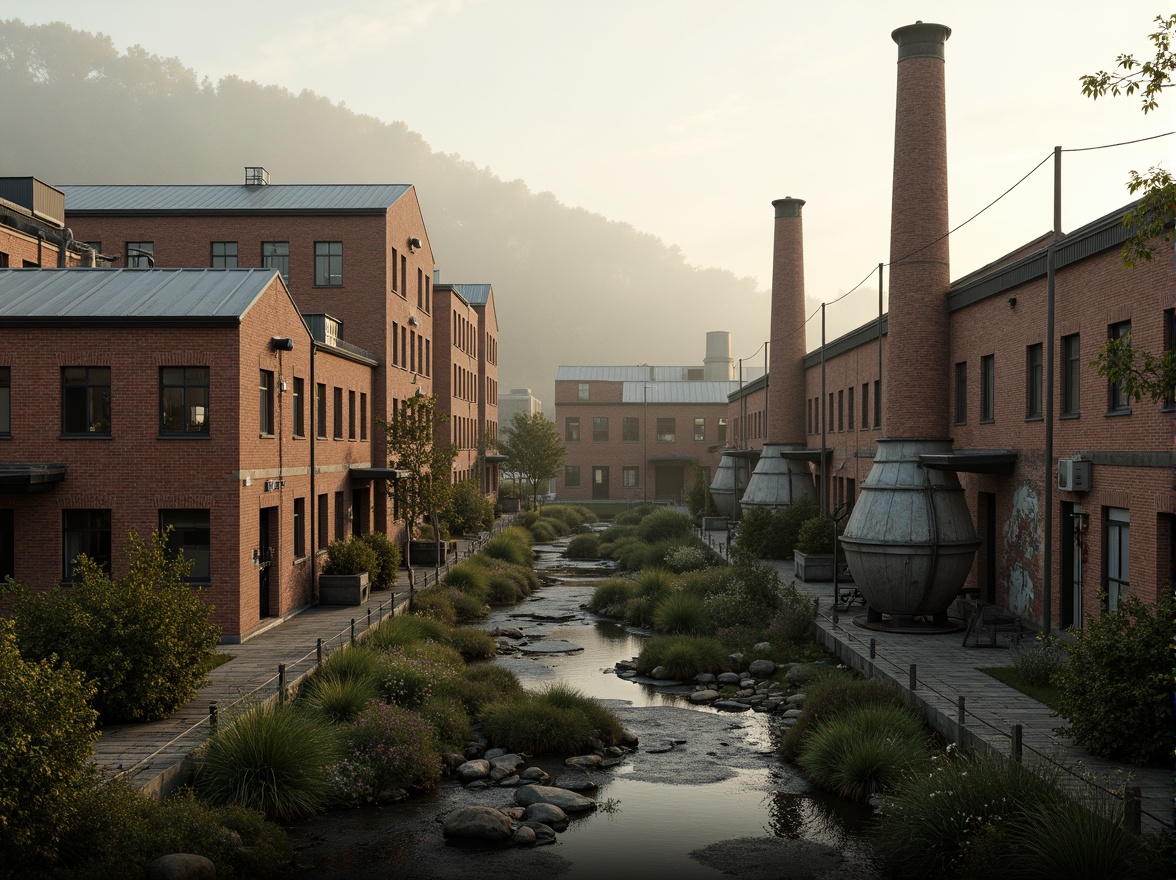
(772, 534)
(558, 719)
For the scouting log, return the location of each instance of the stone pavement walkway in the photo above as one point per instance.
(156, 755)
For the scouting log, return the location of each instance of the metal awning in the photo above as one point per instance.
(377, 473)
(671, 459)
(813, 455)
(972, 461)
(23, 477)
(494, 457)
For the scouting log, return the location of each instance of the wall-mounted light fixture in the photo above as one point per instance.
(413, 244)
(412, 319)
(281, 343)
(1012, 302)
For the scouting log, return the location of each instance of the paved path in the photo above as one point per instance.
(946, 670)
(155, 755)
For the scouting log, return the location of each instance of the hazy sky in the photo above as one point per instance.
(686, 118)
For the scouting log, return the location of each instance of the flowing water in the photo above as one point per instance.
(702, 782)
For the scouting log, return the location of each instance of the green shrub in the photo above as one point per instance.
(449, 720)
(351, 556)
(663, 524)
(411, 674)
(387, 747)
(1038, 661)
(1119, 678)
(435, 603)
(632, 554)
(864, 751)
(682, 558)
(469, 510)
(544, 531)
(571, 517)
(831, 696)
(467, 608)
(611, 597)
(405, 629)
(683, 656)
(585, 546)
(639, 611)
(145, 638)
(472, 643)
(705, 582)
(617, 531)
(470, 579)
(388, 558)
(680, 613)
(349, 663)
(503, 589)
(273, 759)
(654, 582)
(558, 719)
(120, 831)
(792, 623)
(757, 533)
(339, 699)
(698, 498)
(510, 548)
(523, 575)
(486, 683)
(47, 737)
(816, 535)
(932, 822)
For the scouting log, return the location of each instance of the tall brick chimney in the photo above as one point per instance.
(781, 475)
(910, 539)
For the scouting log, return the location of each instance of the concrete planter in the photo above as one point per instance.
(813, 566)
(343, 589)
(425, 552)
(714, 523)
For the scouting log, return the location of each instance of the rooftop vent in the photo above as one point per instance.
(256, 176)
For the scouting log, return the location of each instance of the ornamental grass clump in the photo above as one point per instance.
(471, 643)
(611, 597)
(510, 546)
(683, 656)
(585, 546)
(473, 580)
(829, 696)
(865, 751)
(414, 673)
(386, 748)
(405, 629)
(274, 759)
(349, 663)
(662, 525)
(486, 683)
(544, 531)
(450, 721)
(680, 613)
(339, 699)
(557, 720)
(434, 603)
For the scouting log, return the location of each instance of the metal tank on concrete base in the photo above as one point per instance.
(728, 484)
(778, 481)
(910, 540)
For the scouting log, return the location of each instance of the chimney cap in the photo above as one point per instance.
(787, 207)
(921, 40)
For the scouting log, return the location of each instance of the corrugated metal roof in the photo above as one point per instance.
(636, 373)
(214, 198)
(474, 294)
(677, 392)
(133, 295)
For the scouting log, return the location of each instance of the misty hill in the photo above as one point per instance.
(572, 287)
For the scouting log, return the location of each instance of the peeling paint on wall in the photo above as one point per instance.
(1022, 545)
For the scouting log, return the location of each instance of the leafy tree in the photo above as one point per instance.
(469, 510)
(532, 448)
(1142, 374)
(698, 497)
(47, 736)
(424, 490)
(145, 638)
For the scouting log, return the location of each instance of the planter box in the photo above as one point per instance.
(343, 589)
(819, 567)
(425, 552)
(714, 523)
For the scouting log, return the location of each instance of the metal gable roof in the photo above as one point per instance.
(474, 294)
(638, 373)
(214, 198)
(677, 392)
(129, 295)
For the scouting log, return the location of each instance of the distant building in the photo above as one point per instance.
(518, 400)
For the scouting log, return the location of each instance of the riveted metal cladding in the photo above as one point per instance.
(729, 481)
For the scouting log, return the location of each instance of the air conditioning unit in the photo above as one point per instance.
(1073, 475)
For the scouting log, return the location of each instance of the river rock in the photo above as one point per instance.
(736, 659)
(659, 672)
(491, 754)
(543, 833)
(761, 668)
(525, 835)
(588, 762)
(568, 801)
(182, 866)
(551, 646)
(534, 774)
(509, 762)
(796, 700)
(705, 678)
(477, 823)
(471, 771)
(548, 814)
(629, 739)
(729, 678)
(730, 705)
(576, 783)
(704, 696)
(762, 647)
(510, 632)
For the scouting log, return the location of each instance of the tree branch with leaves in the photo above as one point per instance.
(532, 448)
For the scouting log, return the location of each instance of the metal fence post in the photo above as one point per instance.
(213, 720)
(318, 651)
(873, 648)
(1132, 809)
(281, 682)
(353, 630)
(369, 611)
(1017, 743)
(914, 677)
(960, 712)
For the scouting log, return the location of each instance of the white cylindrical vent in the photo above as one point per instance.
(718, 366)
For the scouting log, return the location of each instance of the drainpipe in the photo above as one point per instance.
(1051, 260)
(314, 547)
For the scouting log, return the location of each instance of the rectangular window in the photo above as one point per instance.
(1118, 555)
(338, 413)
(1116, 398)
(350, 415)
(299, 408)
(961, 393)
(140, 254)
(404, 276)
(1034, 370)
(328, 264)
(395, 344)
(841, 410)
(340, 516)
(722, 438)
(582, 391)
(808, 412)
(420, 289)
(266, 403)
(428, 295)
(224, 255)
(88, 532)
(394, 263)
(191, 535)
(363, 418)
(666, 430)
(865, 405)
(599, 429)
(700, 430)
(572, 429)
(320, 405)
(1170, 347)
(988, 388)
(572, 475)
(1071, 374)
(412, 347)
(5, 401)
(299, 528)
(324, 532)
(630, 477)
(276, 255)
(630, 429)
(7, 544)
(849, 406)
(85, 401)
(428, 357)
(183, 400)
